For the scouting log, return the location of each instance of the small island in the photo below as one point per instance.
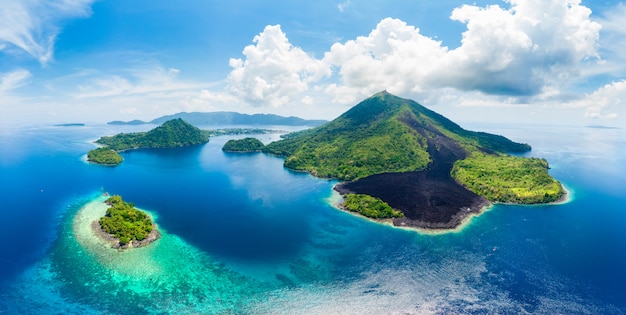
(243, 145)
(104, 156)
(125, 226)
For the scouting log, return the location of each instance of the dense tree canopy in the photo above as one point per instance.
(369, 206)
(508, 178)
(104, 156)
(243, 145)
(125, 222)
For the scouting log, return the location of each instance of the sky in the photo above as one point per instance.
(515, 61)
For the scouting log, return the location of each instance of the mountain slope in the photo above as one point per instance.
(384, 133)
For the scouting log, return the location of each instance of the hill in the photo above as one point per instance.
(172, 133)
(401, 152)
(228, 118)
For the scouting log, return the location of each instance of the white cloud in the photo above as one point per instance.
(342, 6)
(394, 56)
(274, 72)
(604, 102)
(150, 80)
(520, 51)
(32, 26)
(13, 80)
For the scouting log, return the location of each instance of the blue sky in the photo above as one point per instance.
(519, 61)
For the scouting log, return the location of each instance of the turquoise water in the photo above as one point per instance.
(243, 235)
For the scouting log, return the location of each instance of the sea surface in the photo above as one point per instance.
(243, 235)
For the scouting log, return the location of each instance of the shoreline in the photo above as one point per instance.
(462, 219)
(86, 223)
(153, 236)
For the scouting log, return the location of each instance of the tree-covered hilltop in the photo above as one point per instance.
(508, 179)
(104, 156)
(173, 133)
(243, 145)
(384, 133)
(124, 222)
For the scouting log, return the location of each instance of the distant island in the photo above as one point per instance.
(125, 226)
(243, 145)
(227, 118)
(416, 162)
(70, 125)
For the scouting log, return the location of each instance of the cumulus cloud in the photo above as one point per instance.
(274, 72)
(32, 26)
(13, 80)
(605, 101)
(525, 50)
(519, 51)
(394, 56)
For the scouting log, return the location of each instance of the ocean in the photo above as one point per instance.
(243, 235)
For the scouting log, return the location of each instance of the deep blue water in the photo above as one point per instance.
(262, 239)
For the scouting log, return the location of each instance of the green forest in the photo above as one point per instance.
(173, 133)
(369, 206)
(508, 179)
(125, 222)
(104, 156)
(243, 145)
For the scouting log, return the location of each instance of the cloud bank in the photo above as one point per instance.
(525, 50)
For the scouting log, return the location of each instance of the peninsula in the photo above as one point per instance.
(125, 226)
(417, 162)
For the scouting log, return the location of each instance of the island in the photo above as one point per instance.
(243, 145)
(104, 156)
(125, 226)
(171, 134)
(417, 162)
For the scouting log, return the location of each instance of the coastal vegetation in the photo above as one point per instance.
(369, 206)
(124, 222)
(508, 179)
(243, 145)
(104, 156)
(172, 133)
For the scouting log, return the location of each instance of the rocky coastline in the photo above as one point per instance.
(153, 236)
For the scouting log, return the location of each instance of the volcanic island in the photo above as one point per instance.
(401, 162)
